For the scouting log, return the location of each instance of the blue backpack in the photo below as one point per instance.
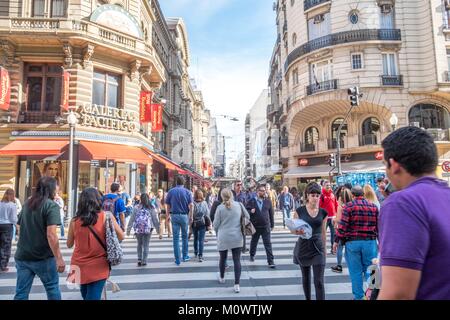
(142, 224)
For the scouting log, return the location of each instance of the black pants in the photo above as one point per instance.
(6, 231)
(318, 271)
(236, 262)
(265, 233)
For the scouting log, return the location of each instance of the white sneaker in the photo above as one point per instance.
(221, 280)
(237, 289)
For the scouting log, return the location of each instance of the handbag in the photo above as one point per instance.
(114, 252)
(247, 227)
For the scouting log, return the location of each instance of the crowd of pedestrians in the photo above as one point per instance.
(403, 225)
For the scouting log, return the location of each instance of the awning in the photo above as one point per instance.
(100, 151)
(166, 162)
(33, 147)
(324, 170)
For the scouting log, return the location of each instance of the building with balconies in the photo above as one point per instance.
(329, 46)
(94, 57)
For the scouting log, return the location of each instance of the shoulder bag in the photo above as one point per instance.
(247, 227)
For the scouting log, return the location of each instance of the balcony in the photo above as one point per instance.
(38, 117)
(368, 139)
(342, 38)
(332, 143)
(308, 147)
(308, 4)
(392, 81)
(271, 108)
(439, 134)
(321, 86)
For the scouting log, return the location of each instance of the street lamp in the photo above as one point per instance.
(72, 121)
(394, 121)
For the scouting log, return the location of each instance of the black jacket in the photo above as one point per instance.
(261, 218)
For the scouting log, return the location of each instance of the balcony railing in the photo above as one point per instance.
(342, 38)
(392, 80)
(321, 86)
(34, 23)
(439, 134)
(308, 4)
(368, 139)
(38, 117)
(332, 143)
(307, 147)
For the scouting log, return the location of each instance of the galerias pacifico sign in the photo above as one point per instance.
(109, 118)
(5, 89)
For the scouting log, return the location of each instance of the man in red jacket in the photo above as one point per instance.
(329, 202)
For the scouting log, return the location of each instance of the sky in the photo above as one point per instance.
(230, 43)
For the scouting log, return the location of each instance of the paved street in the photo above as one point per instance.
(162, 279)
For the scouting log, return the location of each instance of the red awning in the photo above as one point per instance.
(33, 147)
(166, 162)
(100, 151)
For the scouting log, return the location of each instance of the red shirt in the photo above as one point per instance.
(328, 202)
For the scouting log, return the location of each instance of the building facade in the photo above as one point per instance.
(325, 47)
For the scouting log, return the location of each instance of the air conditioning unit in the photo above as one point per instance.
(319, 19)
(386, 8)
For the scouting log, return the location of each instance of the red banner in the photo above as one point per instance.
(210, 171)
(204, 165)
(5, 89)
(156, 118)
(145, 102)
(65, 95)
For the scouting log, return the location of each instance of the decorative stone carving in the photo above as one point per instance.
(87, 55)
(143, 71)
(68, 60)
(134, 70)
(8, 52)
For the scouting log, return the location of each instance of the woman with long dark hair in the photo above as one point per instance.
(311, 252)
(38, 250)
(89, 265)
(8, 218)
(143, 220)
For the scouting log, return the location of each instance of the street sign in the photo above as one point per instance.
(303, 162)
(95, 163)
(102, 163)
(446, 166)
(277, 177)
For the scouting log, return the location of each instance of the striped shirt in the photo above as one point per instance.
(359, 221)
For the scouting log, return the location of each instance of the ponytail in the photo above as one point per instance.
(227, 198)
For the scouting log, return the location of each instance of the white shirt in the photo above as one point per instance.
(8, 213)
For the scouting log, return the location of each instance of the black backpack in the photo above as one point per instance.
(200, 211)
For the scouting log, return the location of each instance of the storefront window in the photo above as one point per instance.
(84, 174)
(123, 176)
(141, 178)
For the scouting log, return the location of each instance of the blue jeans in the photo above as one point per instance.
(46, 271)
(359, 255)
(180, 222)
(339, 253)
(332, 231)
(199, 240)
(93, 290)
(286, 214)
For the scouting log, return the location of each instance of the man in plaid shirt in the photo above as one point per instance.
(358, 229)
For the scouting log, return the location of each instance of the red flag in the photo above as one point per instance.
(65, 95)
(156, 118)
(210, 171)
(204, 165)
(5, 89)
(145, 102)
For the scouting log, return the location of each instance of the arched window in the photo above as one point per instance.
(429, 116)
(311, 138)
(284, 137)
(269, 146)
(370, 127)
(334, 128)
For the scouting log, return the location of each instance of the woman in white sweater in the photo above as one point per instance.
(227, 224)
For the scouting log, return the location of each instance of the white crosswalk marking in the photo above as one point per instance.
(162, 279)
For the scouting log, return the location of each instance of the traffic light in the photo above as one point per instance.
(332, 160)
(354, 96)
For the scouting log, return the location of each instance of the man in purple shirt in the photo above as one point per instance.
(414, 222)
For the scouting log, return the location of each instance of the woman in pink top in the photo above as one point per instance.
(89, 266)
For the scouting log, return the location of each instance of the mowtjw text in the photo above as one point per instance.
(253, 309)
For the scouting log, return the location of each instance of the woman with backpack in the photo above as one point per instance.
(143, 220)
(90, 267)
(200, 223)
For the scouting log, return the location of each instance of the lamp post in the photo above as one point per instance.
(72, 121)
(394, 121)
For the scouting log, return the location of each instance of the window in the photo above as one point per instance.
(357, 61)
(370, 127)
(294, 39)
(353, 17)
(292, 2)
(38, 8)
(319, 26)
(334, 128)
(163, 137)
(295, 77)
(386, 17)
(389, 64)
(311, 136)
(429, 116)
(43, 87)
(447, 13)
(106, 89)
(58, 8)
(321, 71)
